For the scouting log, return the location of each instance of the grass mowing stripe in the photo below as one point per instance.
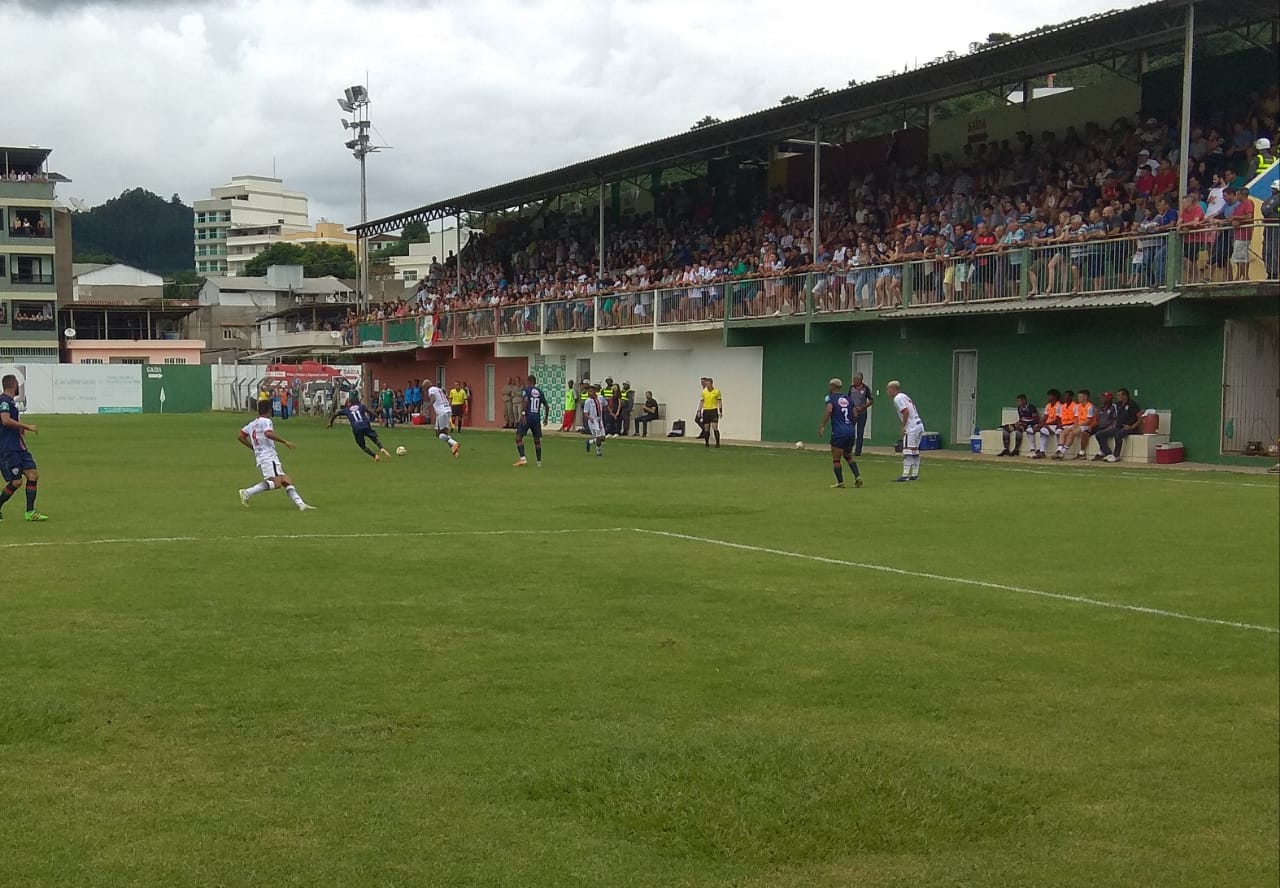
(984, 584)
(309, 536)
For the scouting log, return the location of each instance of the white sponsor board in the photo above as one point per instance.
(77, 388)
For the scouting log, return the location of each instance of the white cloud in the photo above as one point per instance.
(176, 97)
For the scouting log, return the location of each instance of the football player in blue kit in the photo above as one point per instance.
(840, 413)
(361, 426)
(534, 411)
(16, 461)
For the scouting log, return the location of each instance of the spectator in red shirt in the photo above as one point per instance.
(1242, 222)
(1195, 238)
(1166, 179)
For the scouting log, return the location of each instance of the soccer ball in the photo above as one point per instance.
(400, 451)
(799, 445)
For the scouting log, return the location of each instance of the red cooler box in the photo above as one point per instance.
(418, 419)
(1167, 454)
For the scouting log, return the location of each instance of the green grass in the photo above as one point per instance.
(388, 699)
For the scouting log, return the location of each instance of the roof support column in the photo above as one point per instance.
(458, 255)
(1184, 137)
(817, 190)
(600, 269)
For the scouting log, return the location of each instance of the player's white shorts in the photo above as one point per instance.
(270, 469)
(595, 428)
(914, 434)
(443, 422)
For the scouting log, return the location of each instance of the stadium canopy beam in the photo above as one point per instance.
(1059, 48)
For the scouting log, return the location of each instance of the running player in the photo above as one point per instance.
(840, 413)
(443, 413)
(912, 431)
(361, 427)
(16, 461)
(593, 416)
(533, 409)
(260, 437)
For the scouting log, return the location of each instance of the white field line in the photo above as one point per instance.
(1141, 476)
(965, 581)
(710, 541)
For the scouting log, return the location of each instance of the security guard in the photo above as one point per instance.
(1265, 158)
(626, 402)
(607, 395)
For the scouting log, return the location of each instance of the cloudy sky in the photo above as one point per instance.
(178, 96)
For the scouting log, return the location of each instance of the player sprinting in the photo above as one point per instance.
(912, 431)
(839, 412)
(16, 461)
(260, 437)
(593, 416)
(361, 426)
(442, 410)
(533, 409)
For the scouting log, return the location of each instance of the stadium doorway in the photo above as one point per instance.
(964, 395)
(863, 363)
(1250, 368)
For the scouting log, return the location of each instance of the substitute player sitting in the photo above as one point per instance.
(361, 426)
(534, 410)
(260, 437)
(443, 413)
(840, 413)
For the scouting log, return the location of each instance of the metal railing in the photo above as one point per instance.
(1074, 265)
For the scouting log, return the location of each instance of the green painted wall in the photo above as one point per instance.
(187, 388)
(1177, 368)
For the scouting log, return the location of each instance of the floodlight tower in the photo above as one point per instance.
(355, 101)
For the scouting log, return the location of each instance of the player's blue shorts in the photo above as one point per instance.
(530, 425)
(14, 462)
(842, 443)
(366, 434)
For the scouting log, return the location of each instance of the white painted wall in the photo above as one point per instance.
(673, 375)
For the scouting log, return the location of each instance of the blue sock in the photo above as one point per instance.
(537, 451)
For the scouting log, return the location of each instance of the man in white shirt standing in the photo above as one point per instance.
(442, 412)
(260, 437)
(593, 416)
(912, 431)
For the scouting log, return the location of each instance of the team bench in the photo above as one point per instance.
(1137, 449)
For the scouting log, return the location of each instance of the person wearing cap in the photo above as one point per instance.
(1271, 232)
(839, 412)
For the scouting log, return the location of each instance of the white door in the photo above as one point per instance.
(1250, 369)
(490, 393)
(964, 395)
(862, 363)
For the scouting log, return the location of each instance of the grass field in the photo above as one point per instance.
(667, 667)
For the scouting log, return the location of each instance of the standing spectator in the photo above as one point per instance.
(570, 407)
(584, 392)
(710, 410)
(467, 415)
(1128, 418)
(387, 401)
(608, 396)
(860, 397)
(1242, 223)
(1106, 422)
(1271, 232)
(626, 403)
(648, 413)
(1195, 239)
(1028, 416)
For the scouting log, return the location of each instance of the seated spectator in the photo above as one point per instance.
(1106, 422)
(1028, 417)
(1127, 423)
(648, 413)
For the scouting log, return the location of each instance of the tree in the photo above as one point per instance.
(707, 121)
(997, 37)
(140, 229)
(853, 81)
(317, 260)
(416, 233)
(183, 285)
(820, 91)
(787, 100)
(92, 258)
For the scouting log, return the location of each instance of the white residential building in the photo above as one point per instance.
(247, 203)
(441, 248)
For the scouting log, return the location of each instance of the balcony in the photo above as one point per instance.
(324, 339)
(32, 189)
(1146, 269)
(27, 226)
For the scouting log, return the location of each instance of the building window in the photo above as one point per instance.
(31, 270)
(33, 316)
(175, 360)
(229, 333)
(129, 360)
(91, 360)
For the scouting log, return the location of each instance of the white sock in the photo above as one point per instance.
(294, 495)
(915, 465)
(906, 466)
(260, 487)
(447, 439)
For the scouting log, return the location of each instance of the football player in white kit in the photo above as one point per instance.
(260, 437)
(912, 431)
(593, 416)
(443, 412)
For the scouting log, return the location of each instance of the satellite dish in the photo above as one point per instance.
(70, 333)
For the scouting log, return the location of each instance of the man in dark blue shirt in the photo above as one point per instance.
(1028, 418)
(361, 426)
(534, 410)
(16, 462)
(840, 413)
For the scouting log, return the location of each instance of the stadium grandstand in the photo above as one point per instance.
(1054, 206)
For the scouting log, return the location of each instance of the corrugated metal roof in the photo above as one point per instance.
(1004, 306)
